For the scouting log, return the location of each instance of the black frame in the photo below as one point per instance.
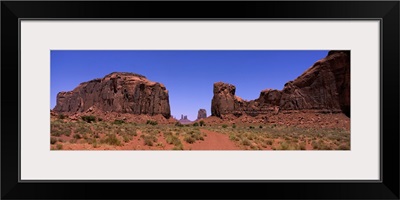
(386, 11)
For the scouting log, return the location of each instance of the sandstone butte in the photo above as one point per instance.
(202, 113)
(324, 87)
(118, 92)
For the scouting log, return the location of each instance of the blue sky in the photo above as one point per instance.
(189, 75)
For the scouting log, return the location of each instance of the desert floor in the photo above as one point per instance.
(120, 135)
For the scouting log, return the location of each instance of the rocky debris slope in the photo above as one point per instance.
(202, 114)
(324, 87)
(117, 92)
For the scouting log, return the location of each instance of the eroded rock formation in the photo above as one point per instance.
(117, 92)
(324, 86)
(202, 114)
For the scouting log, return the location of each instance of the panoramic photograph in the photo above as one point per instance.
(200, 100)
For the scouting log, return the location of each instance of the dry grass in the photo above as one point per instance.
(252, 137)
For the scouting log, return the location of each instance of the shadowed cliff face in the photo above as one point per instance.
(117, 92)
(324, 86)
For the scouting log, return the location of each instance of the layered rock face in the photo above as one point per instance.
(202, 114)
(324, 86)
(117, 92)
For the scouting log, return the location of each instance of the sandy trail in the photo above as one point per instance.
(213, 141)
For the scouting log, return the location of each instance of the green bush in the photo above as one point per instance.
(53, 140)
(61, 116)
(88, 118)
(99, 119)
(246, 142)
(196, 124)
(189, 139)
(234, 126)
(178, 124)
(148, 142)
(302, 146)
(118, 122)
(72, 141)
(260, 126)
(224, 126)
(178, 147)
(127, 138)
(59, 146)
(284, 146)
(251, 127)
(172, 140)
(232, 137)
(111, 139)
(77, 136)
(202, 123)
(151, 122)
(344, 147)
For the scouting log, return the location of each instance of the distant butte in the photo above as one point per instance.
(202, 114)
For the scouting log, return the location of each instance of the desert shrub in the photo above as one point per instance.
(326, 147)
(251, 127)
(73, 140)
(178, 147)
(302, 146)
(172, 140)
(148, 141)
(234, 126)
(59, 128)
(232, 137)
(344, 147)
(189, 139)
(196, 124)
(224, 126)
(60, 140)
(132, 132)
(59, 146)
(202, 123)
(111, 139)
(254, 147)
(94, 144)
(77, 136)
(284, 146)
(99, 119)
(53, 140)
(160, 144)
(152, 122)
(246, 142)
(269, 142)
(61, 116)
(273, 126)
(126, 138)
(178, 124)
(88, 118)
(315, 145)
(260, 126)
(118, 122)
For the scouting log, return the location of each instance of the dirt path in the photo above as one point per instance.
(213, 141)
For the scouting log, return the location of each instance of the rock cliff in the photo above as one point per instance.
(325, 86)
(117, 92)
